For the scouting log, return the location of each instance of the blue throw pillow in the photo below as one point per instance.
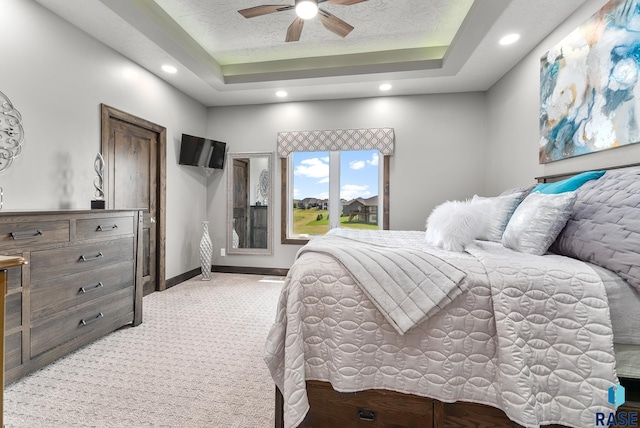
(568, 185)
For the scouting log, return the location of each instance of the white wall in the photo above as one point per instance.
(514, 108)
(57, 76)
(440, 154)
(448, 146)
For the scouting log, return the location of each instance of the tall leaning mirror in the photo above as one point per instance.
(250, 203)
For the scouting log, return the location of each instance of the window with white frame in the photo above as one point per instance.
(325, 189)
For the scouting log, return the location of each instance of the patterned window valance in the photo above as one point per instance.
(382, 139)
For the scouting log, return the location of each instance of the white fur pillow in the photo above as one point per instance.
(454, 224)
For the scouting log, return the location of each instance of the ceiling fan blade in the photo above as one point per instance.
(334, 24)
(266, 9)
(294, 30)
(344, 2)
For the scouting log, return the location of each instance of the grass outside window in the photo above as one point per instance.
(305, 222)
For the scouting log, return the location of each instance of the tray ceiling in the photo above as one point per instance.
(419, 46)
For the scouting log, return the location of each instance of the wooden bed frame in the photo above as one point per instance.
(383, 408)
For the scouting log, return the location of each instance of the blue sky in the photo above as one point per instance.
(358, 174)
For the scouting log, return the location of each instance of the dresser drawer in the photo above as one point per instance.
(369, 408)
(93, 228)
(79, 258)
(59, 294)
(13, 314)
(22, 235)
(13, 350)
(50, 332)
(14, 275)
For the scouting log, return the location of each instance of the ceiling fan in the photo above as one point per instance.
(305, 9)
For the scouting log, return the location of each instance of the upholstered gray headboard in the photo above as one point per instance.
(557, 177)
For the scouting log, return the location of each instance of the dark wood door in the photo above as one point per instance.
(241, 200)
(258, 227)
(134, 177)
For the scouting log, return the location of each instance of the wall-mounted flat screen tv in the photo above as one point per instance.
(203, 152)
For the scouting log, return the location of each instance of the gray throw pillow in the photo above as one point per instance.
(496, 213)
(604, 228)
(537, 221)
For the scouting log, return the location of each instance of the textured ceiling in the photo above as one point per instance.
(380, 25)
(420, 46)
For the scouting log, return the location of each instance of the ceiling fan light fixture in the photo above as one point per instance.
(306, 9)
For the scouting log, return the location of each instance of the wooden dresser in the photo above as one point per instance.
(6, 262)
(79, 284)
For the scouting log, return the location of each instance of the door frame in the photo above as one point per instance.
(108, 113)
(245, 196)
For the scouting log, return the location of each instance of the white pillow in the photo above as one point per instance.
(453, 224)
(537, 221)
(496, 212)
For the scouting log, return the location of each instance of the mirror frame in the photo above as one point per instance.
(271, 163)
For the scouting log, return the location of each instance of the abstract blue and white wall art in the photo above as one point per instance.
(589, 87)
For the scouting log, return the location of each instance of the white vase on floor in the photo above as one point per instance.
(206, 252)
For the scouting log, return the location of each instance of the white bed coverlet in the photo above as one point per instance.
(406, 285)
(531, 336)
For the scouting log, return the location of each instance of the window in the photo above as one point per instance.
(331, 157)
(359, 183)
(309, 203)
(323, 190)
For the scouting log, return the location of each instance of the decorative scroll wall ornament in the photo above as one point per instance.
(98, 182)
(381, 139)
(11, 132)
(262, 191)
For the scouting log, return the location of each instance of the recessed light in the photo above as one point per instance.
(169, 69)
(509, 39)
(385, 87)
(281, 94)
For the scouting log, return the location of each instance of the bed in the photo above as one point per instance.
(499, 337)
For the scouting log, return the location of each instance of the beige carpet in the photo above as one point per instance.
(195, 361)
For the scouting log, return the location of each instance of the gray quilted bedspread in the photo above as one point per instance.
(531, 335)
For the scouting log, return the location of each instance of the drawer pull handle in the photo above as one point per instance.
(87, 321)
(26, 234)
(85, 290)
(87, 259)
(366, 415)
(102, 228)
